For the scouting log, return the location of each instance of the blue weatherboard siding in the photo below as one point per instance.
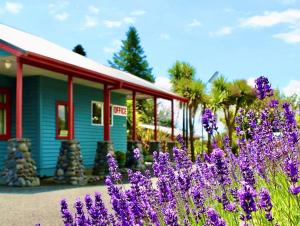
(39, 120)
(4, 53)
(54, 90)
(30, 110)
(7, 82)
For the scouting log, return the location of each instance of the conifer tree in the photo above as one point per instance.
(79, 49)
(131, 57)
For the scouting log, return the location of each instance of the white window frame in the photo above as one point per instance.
(102, 113)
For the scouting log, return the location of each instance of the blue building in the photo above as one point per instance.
(49, 94)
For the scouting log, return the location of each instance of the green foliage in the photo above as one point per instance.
(120, 157)
(285, 205)
(131, 57)
(182, 76)
(229, 97)
(79, 49)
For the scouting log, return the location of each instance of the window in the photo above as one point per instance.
(4, 114)
(97, 109)
(62, 123)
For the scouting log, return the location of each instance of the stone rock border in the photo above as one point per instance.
(69, 167)
(19, 167)
(100, 164)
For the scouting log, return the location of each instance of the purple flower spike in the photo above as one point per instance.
(295, 190)
(247, 201)
(136, 153)
(291, 168)
(209, 121)
(263, 88)
(265, 203)
(113, 168)
(66, 215)
(213, 218)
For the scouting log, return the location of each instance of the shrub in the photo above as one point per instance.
(121, 158)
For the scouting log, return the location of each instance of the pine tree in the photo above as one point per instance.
(131, 57)
(79, 49)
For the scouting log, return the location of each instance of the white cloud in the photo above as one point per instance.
(93, 9)
(226, 30)
(58, 10)
(112, 23)
(290, 17)
(13, 7)
(271, 18)
(293, 87)
(163, 82)
(251, 81)
(194, 23)
(61, 16)
(129, 20)
(291, 37)
(138, 13)
(90, 21)
(115, 46)
(118, 23)
(164, 36)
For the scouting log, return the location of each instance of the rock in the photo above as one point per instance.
(23, 147)
(21, 181)
(60, 172)
(69, 163)
(20, 161)
(19, 167)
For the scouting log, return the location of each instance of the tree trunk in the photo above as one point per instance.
(208, 145)
(191, 125)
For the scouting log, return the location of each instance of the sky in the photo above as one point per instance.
(240, 39)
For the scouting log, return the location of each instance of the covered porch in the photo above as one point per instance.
(40, 72)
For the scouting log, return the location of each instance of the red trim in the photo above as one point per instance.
(71, 111)
(155, 118)
(133, 115)
(66, 68)
(172, 120)
(48, 63)
(10, 50)
(66, 104)
(7, 107)
(106, 118)
(19, 99)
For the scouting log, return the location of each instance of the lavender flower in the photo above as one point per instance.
(170, 215)
(66, 215)
(263, 87)
(136, 153)
(291, 167)
(221, 164)
(213, 218)
(80, 216)
(265, 203)
(227, 205)
(247, 201)
(209, 121)
(113, 168)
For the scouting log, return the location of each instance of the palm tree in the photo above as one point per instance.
(183, 82)
(230, 97)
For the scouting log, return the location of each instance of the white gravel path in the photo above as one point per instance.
(28, 206)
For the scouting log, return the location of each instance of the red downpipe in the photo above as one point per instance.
(172, 120)
(19, 99)
(133, 115)
(106, 93)
(155, 118)
(71, 107)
